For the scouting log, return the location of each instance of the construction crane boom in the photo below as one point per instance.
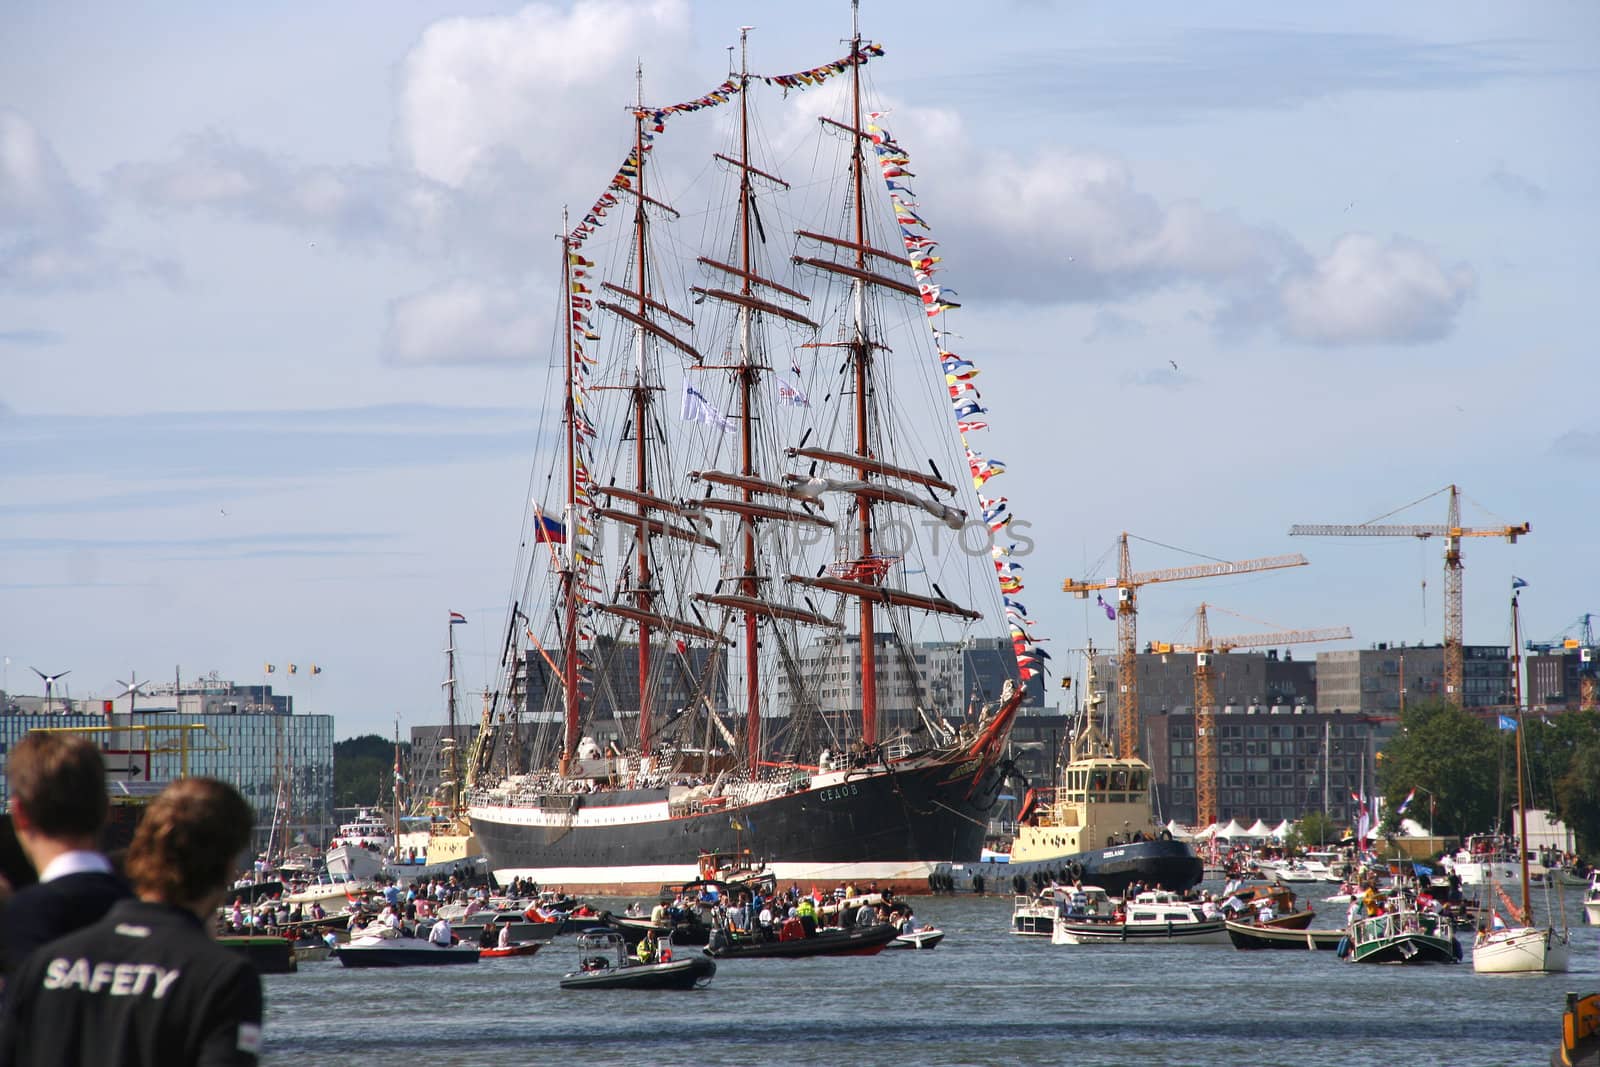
(1127, 584)
(1267, 640)
(1452, 531)
(1205, 700)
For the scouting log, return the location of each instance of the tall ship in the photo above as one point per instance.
(1095, 824)
(719, 642)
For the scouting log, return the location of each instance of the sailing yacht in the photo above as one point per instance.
(1524, 948)
(736, 593)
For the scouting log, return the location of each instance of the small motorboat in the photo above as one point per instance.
(516, 948)
(1253, 936)
(311, 950)
(1152, 917)
(376, 950)
(827, 941)
(926, 937)
(605, 963)
(1401, 935)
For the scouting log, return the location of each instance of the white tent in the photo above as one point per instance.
(1260, 830)
(1233, 829)
(1281, 831)
(1179, 831)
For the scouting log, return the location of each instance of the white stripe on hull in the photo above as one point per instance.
(905, 876)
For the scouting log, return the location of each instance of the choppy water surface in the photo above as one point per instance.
(983, 997)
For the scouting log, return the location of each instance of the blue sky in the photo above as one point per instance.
(275, 289)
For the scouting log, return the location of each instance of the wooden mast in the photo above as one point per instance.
(1522, 807)
(863, 353)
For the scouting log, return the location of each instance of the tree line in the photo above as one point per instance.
(1466, 767)
(363, 771)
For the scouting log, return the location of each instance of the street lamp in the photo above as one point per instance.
(1420, 789)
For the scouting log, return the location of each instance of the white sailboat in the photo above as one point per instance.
(1525, 948)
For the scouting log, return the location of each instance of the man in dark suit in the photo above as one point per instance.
(58, 807)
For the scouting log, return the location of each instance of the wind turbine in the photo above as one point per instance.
(49, 684)
(132, 689)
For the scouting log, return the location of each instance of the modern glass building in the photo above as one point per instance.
(282, 763)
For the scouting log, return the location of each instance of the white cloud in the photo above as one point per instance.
(37, 196)
(1369, 291)
(464, 321)
(212, 171)
(533, 84)
(48, 223)
(1065, 226)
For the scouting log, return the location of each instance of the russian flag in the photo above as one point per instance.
(547, 528)
(456, 616)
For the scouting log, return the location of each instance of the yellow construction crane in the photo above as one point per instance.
(1127, 585)
(1452, 531)
(1205, 701)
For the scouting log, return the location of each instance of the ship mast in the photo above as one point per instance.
(643, 597)
(746, 373)
(1522, 807)
(569, 574)
(450, 682)
(862, 352)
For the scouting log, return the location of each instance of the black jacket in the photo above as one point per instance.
(45, 911)
(143, 986)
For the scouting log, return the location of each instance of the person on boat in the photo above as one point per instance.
(441, 934)
(146, 985)
(866, 915)
(806, 912)
(647, 948)
(1077, 902)
(505, 936)
(58, 806)
(1266, 913)
(488, 937)
(764, 922)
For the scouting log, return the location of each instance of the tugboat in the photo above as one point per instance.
(1095, 826)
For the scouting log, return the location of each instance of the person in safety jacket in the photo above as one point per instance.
(146, 985)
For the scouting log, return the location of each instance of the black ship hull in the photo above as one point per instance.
(1167, 864)
(892, 826)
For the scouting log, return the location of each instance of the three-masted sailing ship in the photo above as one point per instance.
(731, 662)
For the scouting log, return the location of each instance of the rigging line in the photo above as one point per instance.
(1403, 507)
(1174, 548)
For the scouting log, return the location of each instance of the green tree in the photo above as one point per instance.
(363, 771)
(1313, 830)
(1578, 795)
(1454, 756)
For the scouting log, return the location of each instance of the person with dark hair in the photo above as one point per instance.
(58, 808)
(146, 985)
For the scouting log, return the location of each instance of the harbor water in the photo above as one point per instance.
(984, 997)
